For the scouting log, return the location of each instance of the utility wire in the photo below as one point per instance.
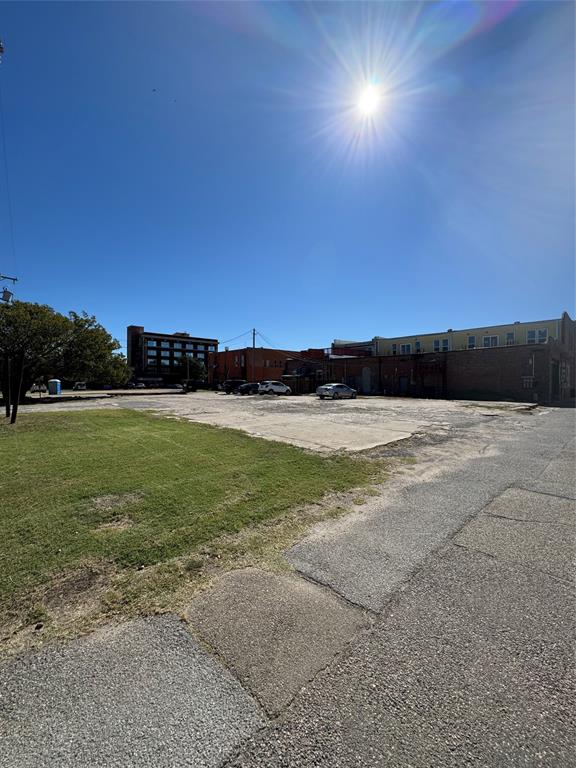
(227, 341)
(8, 192)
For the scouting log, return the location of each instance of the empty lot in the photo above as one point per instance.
(350, 425)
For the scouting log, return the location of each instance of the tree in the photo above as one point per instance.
(192, 368)
(36, 341)
(92, 354)
(32, 338)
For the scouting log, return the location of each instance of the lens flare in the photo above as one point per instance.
(369, 101)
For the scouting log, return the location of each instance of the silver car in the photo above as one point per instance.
(336, 391)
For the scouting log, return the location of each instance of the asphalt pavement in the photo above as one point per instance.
(432, 627)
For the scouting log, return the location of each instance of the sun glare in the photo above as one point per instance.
(369, 100)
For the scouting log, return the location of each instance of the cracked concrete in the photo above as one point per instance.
(275, 631)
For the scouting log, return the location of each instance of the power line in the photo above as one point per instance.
(5, 158)
(227, 341)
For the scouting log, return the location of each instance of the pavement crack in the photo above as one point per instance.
(517, 566)
(325, 585)
(524, 520)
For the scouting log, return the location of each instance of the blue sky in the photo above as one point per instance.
(203, 166)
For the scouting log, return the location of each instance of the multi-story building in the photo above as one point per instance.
(161, 357)
(533, 361)
(508, 335)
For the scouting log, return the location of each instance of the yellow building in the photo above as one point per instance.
(512, 334)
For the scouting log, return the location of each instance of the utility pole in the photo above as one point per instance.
(6, 297)
(253, 354)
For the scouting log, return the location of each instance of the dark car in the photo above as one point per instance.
(251, 388)
(232, 385)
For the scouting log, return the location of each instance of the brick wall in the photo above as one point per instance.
(542, 373)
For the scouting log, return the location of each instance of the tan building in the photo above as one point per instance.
(512, 334)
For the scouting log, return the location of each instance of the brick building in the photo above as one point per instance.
(254, 363)
(536, 372)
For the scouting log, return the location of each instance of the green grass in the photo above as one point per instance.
(182, 485)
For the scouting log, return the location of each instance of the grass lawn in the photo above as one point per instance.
(131, 489)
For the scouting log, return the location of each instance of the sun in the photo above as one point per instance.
(369, 100)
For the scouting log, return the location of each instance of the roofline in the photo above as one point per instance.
(187, 337)
(464, 330)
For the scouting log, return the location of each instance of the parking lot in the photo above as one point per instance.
(305, 421)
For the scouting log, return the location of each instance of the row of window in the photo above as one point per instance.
(165, 360)
(175, 353)
(538, 336)
(187, 345)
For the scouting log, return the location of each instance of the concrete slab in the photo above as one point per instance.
(141, 694)
(470, 667)
(274, 631)
(522, 504)
(366, 555)
(546, 546)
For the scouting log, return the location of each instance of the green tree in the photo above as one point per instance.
(33, 338)
(92, 354)
(38, 342)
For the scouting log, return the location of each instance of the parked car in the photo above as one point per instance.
(273, 388)
(80, 385)
(174, 386)
(232, 385)
(139, 385)
(38, 388)
(251, 388)
(336, 391)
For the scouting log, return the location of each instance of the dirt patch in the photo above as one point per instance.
(113, 501)
(118, 524)
(75, 590)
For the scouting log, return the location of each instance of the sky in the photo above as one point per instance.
(206, 167)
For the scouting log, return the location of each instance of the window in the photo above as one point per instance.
(211, 348)
(177, 353)
(165, 344)
(490, 341)
(528, 382)
(177, 345)
(188, 345)
(151, 343)
(537, 337)
(418, 347)
(164, 361)
(444, 345)
(405, 349)
(394, 347)
(201, 356)
(436, 345)
(165, 353)
(509, 338)
(152, 360)
(471, 342)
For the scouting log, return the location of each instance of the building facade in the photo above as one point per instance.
(255, 363)
(248, 363)
(485, 337)
(161, 357)
(533, 361)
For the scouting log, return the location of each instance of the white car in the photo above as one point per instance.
(335, 391)
(273, 388)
